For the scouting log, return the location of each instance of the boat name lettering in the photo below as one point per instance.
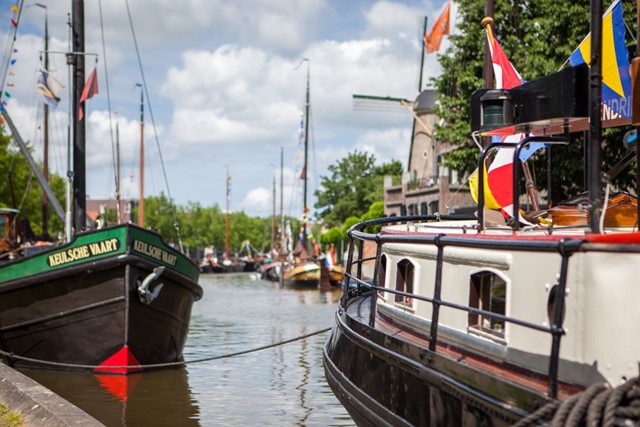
(83, 252)
(154, 252)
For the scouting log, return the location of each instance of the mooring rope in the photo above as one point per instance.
(598, 405)
(162, 365)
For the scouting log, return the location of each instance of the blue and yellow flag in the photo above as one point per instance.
(616, 81)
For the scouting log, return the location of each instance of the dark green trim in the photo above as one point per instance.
(151, 246)
(101, 244)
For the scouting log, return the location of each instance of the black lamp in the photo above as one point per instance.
(496, 109)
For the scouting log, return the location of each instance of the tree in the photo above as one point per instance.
(333, 235)
(538, 36)
(20, 189)
(354, 183)
(159, 215)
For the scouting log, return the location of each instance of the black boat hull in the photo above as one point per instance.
(83, 314)
(382, 380)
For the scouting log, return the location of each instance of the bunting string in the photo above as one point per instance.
(6, 66)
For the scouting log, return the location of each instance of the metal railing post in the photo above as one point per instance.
(433, 336)
(374, 293)
(556, 327)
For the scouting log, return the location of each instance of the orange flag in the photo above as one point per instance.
(440, 28)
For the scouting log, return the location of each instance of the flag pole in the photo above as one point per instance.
(487, 22)
(488, 65)
(595, 126)
(424, 48)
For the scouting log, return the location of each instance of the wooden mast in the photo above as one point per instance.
(273, 214)
(282, 249)
(226, 233)
(305, 168)
(45, 136)
(118, 210)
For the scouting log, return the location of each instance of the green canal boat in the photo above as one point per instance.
(114, 299)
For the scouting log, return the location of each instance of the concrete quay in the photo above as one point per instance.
(39, 406)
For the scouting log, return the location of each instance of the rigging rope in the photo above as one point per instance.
(106, 79)
(10, 356)
(153, 122)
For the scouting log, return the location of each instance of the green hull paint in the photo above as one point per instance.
(98, 245)
(157, 250)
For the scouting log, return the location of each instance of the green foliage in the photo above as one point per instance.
(538, 36)
(111, 215)
(394, 168)
(348, 223)
(20, 189)
(9, 418)
(334, 235)
(353, 184)
(376, 210)
(202, 227)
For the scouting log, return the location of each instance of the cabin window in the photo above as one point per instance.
(404, 282)
(488, 292)
(382, 273)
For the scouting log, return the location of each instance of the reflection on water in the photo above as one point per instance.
(282, 385)
(159, 398)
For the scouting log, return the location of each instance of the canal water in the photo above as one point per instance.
(279, 386)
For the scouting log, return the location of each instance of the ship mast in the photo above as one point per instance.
(273, 214)
(226, 231)
(118, 210)
(282, 249)
(79, 133)
(141, 202)
(45, 136)
(305, 167)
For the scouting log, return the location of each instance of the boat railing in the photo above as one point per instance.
(356, 284)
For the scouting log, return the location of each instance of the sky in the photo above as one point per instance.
(225, 86)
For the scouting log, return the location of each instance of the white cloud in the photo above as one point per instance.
(225, 90)
(387, 145)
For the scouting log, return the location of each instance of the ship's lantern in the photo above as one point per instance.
(496, 109)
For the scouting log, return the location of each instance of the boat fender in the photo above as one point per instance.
(146, 295)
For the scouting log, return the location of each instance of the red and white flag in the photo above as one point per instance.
(500, 172)
(505, 73)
